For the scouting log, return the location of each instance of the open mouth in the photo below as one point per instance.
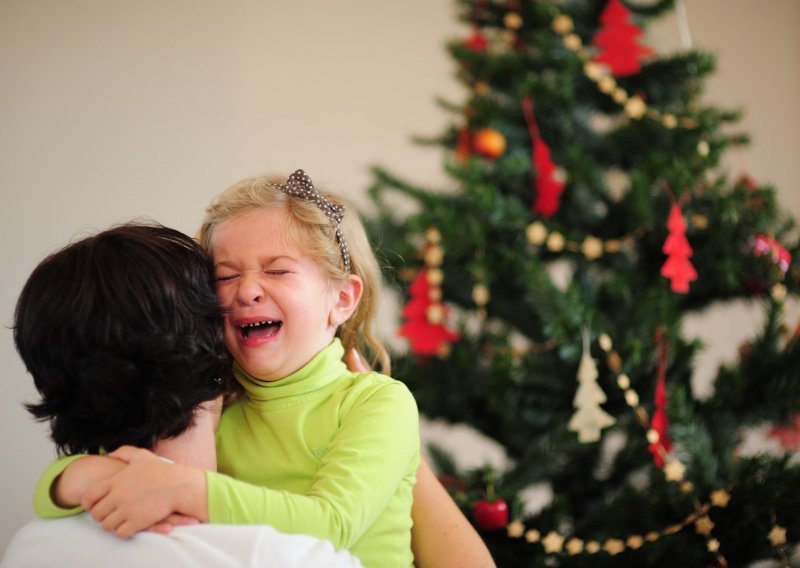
(265, 328)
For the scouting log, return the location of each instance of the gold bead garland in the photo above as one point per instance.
(634, 106)
(591, 247)
(674, 471)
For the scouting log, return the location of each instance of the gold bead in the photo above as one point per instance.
(553, 542)
(573, 42)
(619, 95)
(614, 546)
(777, 535)
(674, 470)
(433, 255)
(720, 498)
(704, 526)
(562, 24)
(592, 248)
(623, 381)
(480, 295)
(515, 529)
(435, 276)
(435, 314)
(536, 233)
(635, 107)
(614, 362)
(631, 397)
(532, 535)
(634, 542)
(670, 121)
(607, 85)
(605, 342)
(574, 546)
(555, 242)
(699, 221)
(512, 21)
(595, 71)
(592, 547)
(433, 235)
(703, 148)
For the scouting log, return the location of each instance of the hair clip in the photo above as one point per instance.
(300, 185)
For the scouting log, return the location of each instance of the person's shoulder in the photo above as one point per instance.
(262, 545)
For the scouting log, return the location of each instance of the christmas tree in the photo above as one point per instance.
(579, 151)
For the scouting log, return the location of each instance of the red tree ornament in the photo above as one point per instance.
(424, 327)
(617, 41)
(549, 184)
(678, 268)
(424, 312)
(660, 443)
(477, 42)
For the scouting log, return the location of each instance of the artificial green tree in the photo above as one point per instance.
(579, 151)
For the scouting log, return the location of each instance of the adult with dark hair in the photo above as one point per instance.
(122, 333)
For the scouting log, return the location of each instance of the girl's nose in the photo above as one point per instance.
(250, 290)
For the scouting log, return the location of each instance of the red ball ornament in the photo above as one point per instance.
(489, 143)
(490, 515)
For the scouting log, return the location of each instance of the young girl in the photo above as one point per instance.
(307, 446)
(442, 537)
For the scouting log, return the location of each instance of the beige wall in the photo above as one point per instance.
(111, 110)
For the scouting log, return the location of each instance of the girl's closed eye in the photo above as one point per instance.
(225, 277)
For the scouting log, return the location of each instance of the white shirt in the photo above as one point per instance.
(80, 541)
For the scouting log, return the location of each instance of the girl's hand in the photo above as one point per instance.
(174, 520)
(146, 492)
(68, 488)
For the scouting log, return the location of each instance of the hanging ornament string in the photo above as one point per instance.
(683, 24)
(657, 435)
(549, 178)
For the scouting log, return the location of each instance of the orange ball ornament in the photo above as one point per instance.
(489, 143)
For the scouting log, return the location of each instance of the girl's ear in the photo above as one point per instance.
(348, 296)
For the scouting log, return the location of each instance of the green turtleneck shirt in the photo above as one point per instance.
(325, 452)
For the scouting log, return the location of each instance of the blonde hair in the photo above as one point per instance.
(314, 232)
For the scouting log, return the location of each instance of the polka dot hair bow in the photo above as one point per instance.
(300, 185)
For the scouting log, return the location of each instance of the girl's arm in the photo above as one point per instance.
(442, 537)
(145, 492)
(374, 451)
(60, 487)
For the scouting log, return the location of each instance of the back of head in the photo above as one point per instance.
(313, 230)
(122, 333)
